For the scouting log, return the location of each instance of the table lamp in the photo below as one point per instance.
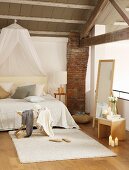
(61, 79)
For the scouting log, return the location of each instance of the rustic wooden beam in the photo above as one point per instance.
(119, 35)
(121, 10)
(94, 16)
(42, 19)
(49, 4)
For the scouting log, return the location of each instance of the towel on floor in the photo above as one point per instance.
(45, 120)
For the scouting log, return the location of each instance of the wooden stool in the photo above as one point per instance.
(21, 129)
(115, 128)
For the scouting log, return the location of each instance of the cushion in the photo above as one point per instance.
(34, 99)
(15, 86)
(7, 86)
(24, 91)
(39, 91)
(3, 94)
(84, 118)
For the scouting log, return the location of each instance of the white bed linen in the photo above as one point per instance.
(9, 119)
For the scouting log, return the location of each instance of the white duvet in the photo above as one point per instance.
(9, 119)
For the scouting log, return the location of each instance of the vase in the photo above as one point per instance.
(113, 108)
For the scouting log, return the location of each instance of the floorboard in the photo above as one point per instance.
(10, 161)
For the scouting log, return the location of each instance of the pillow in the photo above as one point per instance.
(34, 99)
(24, 91)
(7, 86)
(15, 86)
(3, 94)
(39, 91)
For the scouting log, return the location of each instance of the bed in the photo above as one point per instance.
(9, 119)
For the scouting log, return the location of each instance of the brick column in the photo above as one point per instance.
(77, 58)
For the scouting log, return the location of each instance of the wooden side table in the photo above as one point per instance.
(60, 95)
(115, 128)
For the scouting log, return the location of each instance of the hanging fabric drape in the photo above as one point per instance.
(13, 62)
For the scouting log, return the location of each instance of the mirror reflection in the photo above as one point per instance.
(104, 85)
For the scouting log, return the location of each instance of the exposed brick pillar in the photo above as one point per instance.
(77, 58)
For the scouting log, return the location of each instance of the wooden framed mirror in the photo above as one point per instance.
(103, 86)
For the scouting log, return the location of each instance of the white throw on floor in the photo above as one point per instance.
(45, 120)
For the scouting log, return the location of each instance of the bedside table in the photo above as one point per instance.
(60, 95)
(115, 128)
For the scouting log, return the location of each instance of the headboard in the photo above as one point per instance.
(18, 80)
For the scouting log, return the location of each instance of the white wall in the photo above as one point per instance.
(52, 52)
(120, 52)
(97, 52)
(123, 108)
(87, 103)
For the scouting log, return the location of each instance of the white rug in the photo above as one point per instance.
(39, 148)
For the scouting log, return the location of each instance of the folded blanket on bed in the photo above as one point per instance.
(27, 120)
(45, 120)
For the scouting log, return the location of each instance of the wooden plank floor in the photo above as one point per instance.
(9, 159)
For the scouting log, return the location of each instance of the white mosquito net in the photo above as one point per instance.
(17, 53)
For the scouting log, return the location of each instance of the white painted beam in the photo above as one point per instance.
(42, 19)
(48, 33)
(127, 9)
(50, 4)
(120, 23)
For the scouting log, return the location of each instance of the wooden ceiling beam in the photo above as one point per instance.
(119, 35)
(49, 4)
(121, 10)
(42, 19)
(94, 16)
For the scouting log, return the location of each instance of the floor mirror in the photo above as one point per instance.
(103, 86)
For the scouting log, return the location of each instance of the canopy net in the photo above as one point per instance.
(17, 53)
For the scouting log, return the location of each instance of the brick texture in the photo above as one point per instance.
(77, 58)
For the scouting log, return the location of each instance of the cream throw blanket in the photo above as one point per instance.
(45, 120)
